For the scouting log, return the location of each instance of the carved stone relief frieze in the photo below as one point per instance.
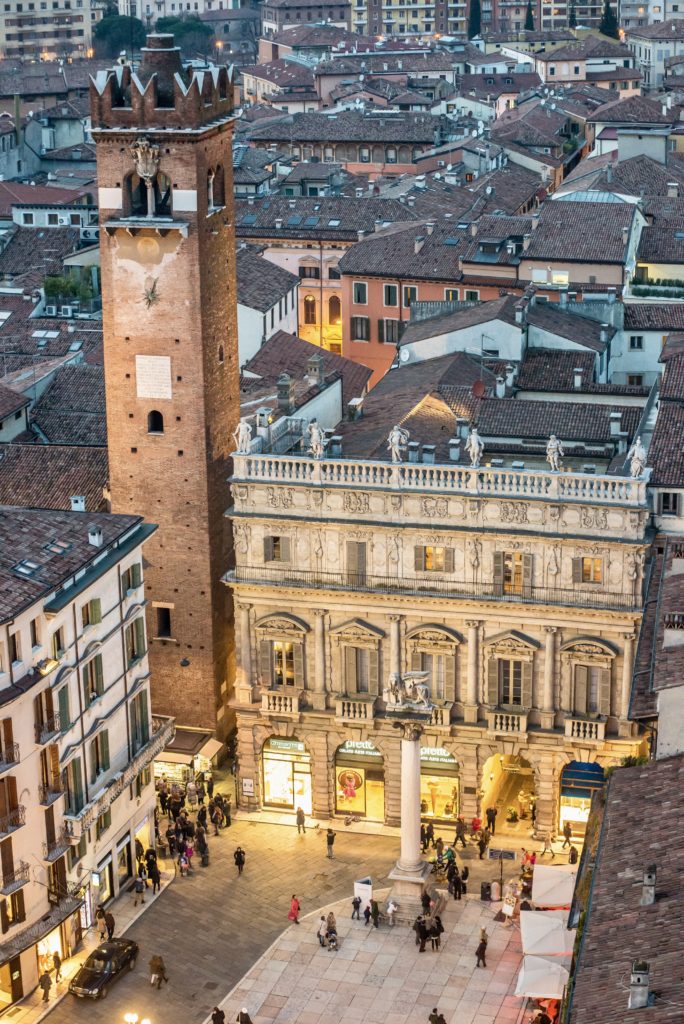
(280, 497)
(514, 512)
(594, 518)
(355, 501)
(434, 507)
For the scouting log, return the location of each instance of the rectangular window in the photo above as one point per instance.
(34, 627)
(669, 503)
(390, 295)
(388, 331)
(592, 570)
(356, 562)
(510, 682)
(434, 665)
(410, 295)
(140, 722)
(471, 296)
(636, 342)
(91, 613)
(360, 293)
(451, 294)
(103, 822)
(14, 647)
(58, 645)
(310, 272)
(364, 154)
(433, 559)
(63, 704)
(164, 622)
(73, 787)
(93, 680)
(276, 549)
(99, 755)
(362, 669)
(27, 219)
(131, 578)
(135, 641)
(333, 274)
(360, 328)
(283, 663)
(635, 380)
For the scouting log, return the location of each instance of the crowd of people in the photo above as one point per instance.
(185, 837)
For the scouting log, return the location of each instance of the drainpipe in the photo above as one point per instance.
(81, 709)
(123, 653)
(7, 648)
(320, 319)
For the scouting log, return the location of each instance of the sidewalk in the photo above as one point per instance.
(32, 1009)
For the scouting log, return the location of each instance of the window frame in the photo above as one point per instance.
(388, 288)
(355, 300)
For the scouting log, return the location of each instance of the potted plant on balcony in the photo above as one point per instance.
(511, 815)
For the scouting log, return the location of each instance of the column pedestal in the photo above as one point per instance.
(410, 873)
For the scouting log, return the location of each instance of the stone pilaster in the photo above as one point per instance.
(319, 695)
(547, 702)
(392, 766)
(248, 752)
(625, 727)
(395, 644)
(323, 792)
(244, 686)
(472, 684)
(546, 782)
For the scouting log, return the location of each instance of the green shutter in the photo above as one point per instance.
(450, 677)
(577, 570)
(96, 610)
(350, 669)
(86, 686)
(265, 663)
(63, 698)
(526, 687)
(373, 671)
(527, 575)
(448, 559)
(139, 637)
(93, 762)
(98, 683)
(381, 330)
(298, 655)
(604, 691)
(498, 573)
(144, 717)
(419, 558)
(493, 682)
(136, 574)
(104, 748)
(581, 681)
(77, 783)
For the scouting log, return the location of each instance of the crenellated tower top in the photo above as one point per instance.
(163, 93)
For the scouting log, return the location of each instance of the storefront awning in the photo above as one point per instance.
(187, 744)
(12, 947)
(584, 775)
(546, 933)
(540, 978)
(210, 749)
(553, 886)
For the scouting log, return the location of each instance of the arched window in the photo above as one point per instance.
(135, 196)
(162, 195)
(155, 422)
(309, 310)
(334, 310)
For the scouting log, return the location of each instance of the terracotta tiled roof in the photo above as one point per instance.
(11, 401)
(570, 421)
(591, 46)
(16, 192)
(548, 316)
(663, 30)
(581, 232)
(353, 126)
(19, 254)
(286, 74)
(334, 217)
(385, 63)
(666, 316)
(553, 369)
(45, 476)
(472, 315)
(633, 110)
(497, 85)
(25, 341)
(71, 410)
(393, 252)
(261, 283)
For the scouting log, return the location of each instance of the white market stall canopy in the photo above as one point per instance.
(540, 978)
(553, 886)
(545, 933)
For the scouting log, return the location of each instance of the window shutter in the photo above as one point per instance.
(604, 691)
(284, 549)
(298, 655)
(352, 556)
(64, 720)
(98, 683)
(450, 676)
(361, 558)
(350, 669)
(93, 763)
(144, 717)
(139, 637)
(448, 559)
(77, 778)
(526, 687)
(498, 572)
(265, 663)
(136, 574)
(104, 748)
(373, 671)
(20, 911)
(86, 686)
(381, 329)
(419, 559)
(579, 701)
(268, 549)
(527, 575)
(4, 923)
(96, 610)
(577, 570)
(416, 661)
(493, 682)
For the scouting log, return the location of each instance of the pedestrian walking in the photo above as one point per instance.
(391, 911)
(436, 1017)
(57, 964)
(295, 907)
(482, 845)
(423, 932)
(201, 791)
(567, 835)
(142, 874)
(331, 922)
(367, 914)
(239, 858)
(481, 953)
(375, 913)
(243, 1017)
(138, 891)
(157, 971)
(109, 921)
(209, 780)
(457, 885)
(356, 906)
(464, 878)
(573, 855)
(430, 834)
(460, 833)
(425, 902)
(423, 838)
(547, 847)
(202, 819)
(45, 982)
(416, 928)
(156, 878)
(100, 922)
(322, 930)
(436, 932)
(330, 842)
(217, 818)
(139, 850)
(491, 814)
(301, 821)
(439, 847)
(218, 1016)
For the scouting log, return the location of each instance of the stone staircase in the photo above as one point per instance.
(409, 909)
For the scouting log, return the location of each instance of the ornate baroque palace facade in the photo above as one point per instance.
(517, 592)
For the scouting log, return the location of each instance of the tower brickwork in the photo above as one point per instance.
(163, 137)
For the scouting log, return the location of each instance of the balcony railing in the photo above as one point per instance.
(585, 729)
(507, 721)
(446, 479)
(354, 709)
(278, 702)
(47, 730)
(48, 792)
(11, 822)
(9, 757)
(54, 849)
(10, 881)
(441, 715)
(573, 597)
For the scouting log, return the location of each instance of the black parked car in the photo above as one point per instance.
(103, 965)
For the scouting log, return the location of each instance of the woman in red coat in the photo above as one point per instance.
(294, 910)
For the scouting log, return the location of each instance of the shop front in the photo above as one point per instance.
(439, 785)
(103, 881)
(50, 944)
(286, 769)
(124, 862)
(190, 751)
(360, 780)
(579, 781)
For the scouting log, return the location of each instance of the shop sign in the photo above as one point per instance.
(248, 787)
(436, 755)
(359, 748)
(296, 746)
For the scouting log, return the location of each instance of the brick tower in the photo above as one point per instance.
(164, 164)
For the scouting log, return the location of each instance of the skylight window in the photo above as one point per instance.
(294, 220)
(4, 316)
(26, 567)
(75, 346)
(57, 547)
(249, 218)
(311, 222)
(334, 223)
(39, 334)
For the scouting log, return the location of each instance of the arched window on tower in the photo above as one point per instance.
(162, 195)
(309, 310)
(334, 310)
(135, 194)
(155, 422)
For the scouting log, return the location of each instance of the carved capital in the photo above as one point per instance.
(320, 612)
(550, 629)
(472, 623)
(395, 618)
(241, 606)
(628, 636)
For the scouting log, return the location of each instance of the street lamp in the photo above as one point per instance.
(132, 1018)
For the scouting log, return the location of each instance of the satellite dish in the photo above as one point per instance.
(474, 133)
(404, 355)
(478, 389)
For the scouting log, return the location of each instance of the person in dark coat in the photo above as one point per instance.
(436, 1017)
(480, 953)
(109, 921)
(482, 845)
(218, 1016)
(430, 834)
(436, 932)
(416, 929)
(243, 1017)
(239, 858)
(458, 885)
(423, 838)
(573, 855)
(422, 934)
(356, 907)
(464, 878)
(375, 913)
(367, 913)
(491, 819)
(330, 842)
(45, 982)
(461, 831)
(425, 902)
(567, 835)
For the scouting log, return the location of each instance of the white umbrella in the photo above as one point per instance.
(544, 933)
(540, 978)
(553, 886)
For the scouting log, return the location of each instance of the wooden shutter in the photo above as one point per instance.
(6, 858)
(450, 677)
(50, 834)
(298, 657)
(49, 706)
(98, 682)
(139, 637)
(77, 783)
(416, 661)
(87, 688)
(527, 574)
(373, 671)
(580, 689)
(268, 549)
(381, 330)
(284, 549)
(419, 558)
(577, 570)
(448, 559)
(498, 573)
(136, 574)
(604, 691)
(265, 663)
(63, 698)
(104, 749)
(493, 682)
(361, 558)
(38, 715)
(19, 907)
(96, 610)
(526, 698)
(350, 669)
(93, 762)
(352, 556)
(4, 923)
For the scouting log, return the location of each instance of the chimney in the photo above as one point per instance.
(360, 234)
(672, 190)
(455, 449)
(577, 379)
(413, 451)
(668, 101)
(535, 220)
(510, 375)
(526, 242)
(420, 181)
(638, 985)
(95, 536)
(418, 243)
(648, 894)
(519, 311)
(611, 295)
(430, 227)
(625, 235)
(335, 446)
(286, 394)
(355, 408)
(279, 223)
(292, 203)
(603, 334)
(411, 201)
(462, 424)
(615, 424)
(429, 452)
(359, 192)
(609, 173)
(663, 108)
(563, 298)
(78, 502)
(314, 368)
(473, 229)
(500, 387)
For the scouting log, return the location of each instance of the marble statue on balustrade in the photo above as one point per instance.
(242, 436)
(407, 693)
(474, 446)
(637, 458)
(397, 442)
(317, 440)
(554, 453)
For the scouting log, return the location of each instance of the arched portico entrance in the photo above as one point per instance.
(508, 785)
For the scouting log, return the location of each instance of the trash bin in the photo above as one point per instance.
(496, 892)
(486, 891)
